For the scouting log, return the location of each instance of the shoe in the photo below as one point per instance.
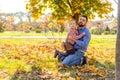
(56, 53)
(81, 60)
(84, 60)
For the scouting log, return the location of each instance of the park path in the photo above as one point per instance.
(58, 37)
(41, 37)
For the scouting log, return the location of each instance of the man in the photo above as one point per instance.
(80, 45)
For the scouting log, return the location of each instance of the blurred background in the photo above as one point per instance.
(18, 17)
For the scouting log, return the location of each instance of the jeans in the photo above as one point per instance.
(72, 59)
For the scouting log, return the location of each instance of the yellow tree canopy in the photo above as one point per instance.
(69, 8)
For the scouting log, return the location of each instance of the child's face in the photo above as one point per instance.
(73, 24)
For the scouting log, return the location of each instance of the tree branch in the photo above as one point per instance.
(68, 1)
(63, 9)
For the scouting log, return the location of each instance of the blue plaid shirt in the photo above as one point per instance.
(82, 43)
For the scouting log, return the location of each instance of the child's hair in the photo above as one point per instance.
(72, 20)
(72, 23)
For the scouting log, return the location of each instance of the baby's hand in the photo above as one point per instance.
(77, 37)
(83, 33)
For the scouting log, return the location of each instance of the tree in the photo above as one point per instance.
(117, 73)
(69, 8)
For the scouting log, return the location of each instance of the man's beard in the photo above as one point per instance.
(80, 25)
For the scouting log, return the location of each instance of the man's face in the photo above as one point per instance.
(82, 22)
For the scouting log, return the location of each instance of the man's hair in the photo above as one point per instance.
(85, 17)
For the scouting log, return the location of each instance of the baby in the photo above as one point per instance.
(68, 45)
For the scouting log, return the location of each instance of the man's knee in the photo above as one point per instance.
(65, 62)
(69, 59)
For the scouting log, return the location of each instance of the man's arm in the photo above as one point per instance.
(83, 43)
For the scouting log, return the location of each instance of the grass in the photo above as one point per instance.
(32, 59)
(53, 34)
(103, 43)
(20, 33)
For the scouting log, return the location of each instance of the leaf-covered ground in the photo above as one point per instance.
(32, 59)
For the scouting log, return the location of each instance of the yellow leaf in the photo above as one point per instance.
(67, 74)
(50, 25)
(70, 78)
(78, 78)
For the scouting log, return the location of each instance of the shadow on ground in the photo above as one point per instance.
(91, 71)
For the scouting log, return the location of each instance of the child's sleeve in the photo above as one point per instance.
(81, 35)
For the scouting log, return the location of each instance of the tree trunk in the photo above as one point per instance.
(76, 17)
(117, 68)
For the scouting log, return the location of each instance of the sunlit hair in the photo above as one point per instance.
(73, 24)
(73, 20)
(69, 24)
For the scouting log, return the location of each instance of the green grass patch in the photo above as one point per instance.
(20, 33)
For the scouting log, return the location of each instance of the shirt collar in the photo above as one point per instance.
(82, 28)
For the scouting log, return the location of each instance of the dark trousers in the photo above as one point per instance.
(68, 52)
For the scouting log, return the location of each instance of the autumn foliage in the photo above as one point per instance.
(33, 59)
(69, 8)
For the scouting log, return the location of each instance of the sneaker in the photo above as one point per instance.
(84, 60)
(56, 53)
(81, 60)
